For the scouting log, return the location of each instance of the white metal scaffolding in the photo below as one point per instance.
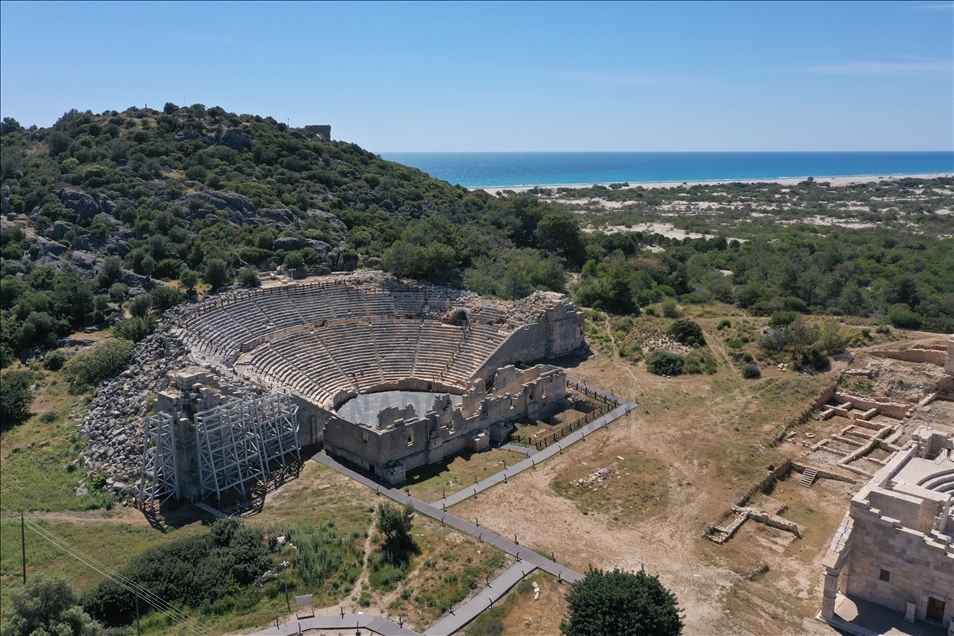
(277, 427)
(228, 448)
(236, 442)
(160, 478)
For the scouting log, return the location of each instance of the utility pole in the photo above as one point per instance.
(285, 578)
(23, 546)
(138, 633)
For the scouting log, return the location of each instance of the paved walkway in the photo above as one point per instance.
(456, 620)
(537, 457)
(450, 624)
(525, 450)
(337, 621)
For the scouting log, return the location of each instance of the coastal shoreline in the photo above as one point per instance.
(833, 181)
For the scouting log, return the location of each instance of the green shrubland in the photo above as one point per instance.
(90, 367)
(198, 572)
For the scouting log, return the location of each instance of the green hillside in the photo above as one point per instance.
(98, 208)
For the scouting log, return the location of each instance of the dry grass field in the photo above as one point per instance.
(526, 609)
(430, 483)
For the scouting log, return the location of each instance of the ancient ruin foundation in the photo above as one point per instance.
(895, 546)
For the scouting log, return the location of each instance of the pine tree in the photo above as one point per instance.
(619, 603)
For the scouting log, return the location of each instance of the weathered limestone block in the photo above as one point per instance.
(949, 362)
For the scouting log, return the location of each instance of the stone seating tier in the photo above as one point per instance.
(339, 336)
(367, 355)
(940, 482)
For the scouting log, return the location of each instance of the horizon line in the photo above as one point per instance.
(863, 178)
(501, 152)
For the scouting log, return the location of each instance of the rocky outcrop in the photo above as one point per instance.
(235, 139)
(289, 243)
(86, 263)
(240, 208)
(59, 229)
(187, 135)
(337, 226)
(278, 217)
(85, 206)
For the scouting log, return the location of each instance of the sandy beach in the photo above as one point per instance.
(834, 181)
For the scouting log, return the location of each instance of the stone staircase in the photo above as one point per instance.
(808, 477)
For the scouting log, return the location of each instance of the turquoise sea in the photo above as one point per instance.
(515, 169)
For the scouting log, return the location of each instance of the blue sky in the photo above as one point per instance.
(507, 77)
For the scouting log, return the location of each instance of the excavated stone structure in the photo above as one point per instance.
(328, 341)
(401, 440)
(324, 342)
(895, 546)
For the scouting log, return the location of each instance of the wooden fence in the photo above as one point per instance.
(548, 440)
(608, 403)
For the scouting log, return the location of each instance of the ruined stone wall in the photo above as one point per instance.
(917, 567)
(536, 394)
(897, 410)
(557, 331)
(372, 449)
(949, 362)
(930, 356)
(322, 130)
(402, 437)
(764, 486)
(782, 430)
(564, 329)
(524, 345)
(186, 395)
(311, 422)
(351, 442)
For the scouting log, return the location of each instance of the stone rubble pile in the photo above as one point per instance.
(597, 478)
(114, 426)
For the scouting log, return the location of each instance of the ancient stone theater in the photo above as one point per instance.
(387, 374)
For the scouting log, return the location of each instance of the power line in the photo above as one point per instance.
(125, 583)
(159, 604)
(156, 602)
